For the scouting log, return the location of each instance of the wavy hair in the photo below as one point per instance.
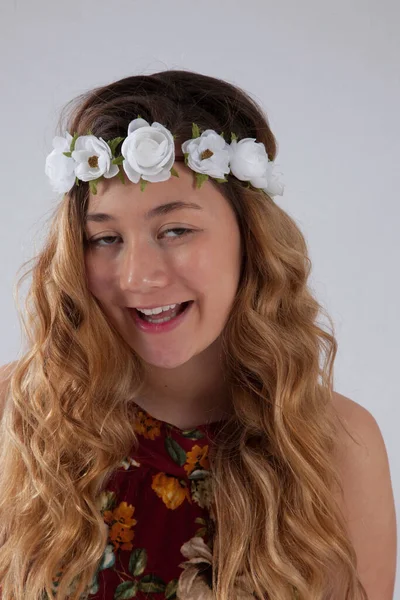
(68, 422)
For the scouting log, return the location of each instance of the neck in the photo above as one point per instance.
(189, 395)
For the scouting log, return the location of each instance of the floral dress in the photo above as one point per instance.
(157, 509)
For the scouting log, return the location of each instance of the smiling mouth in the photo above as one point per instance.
(181, 309)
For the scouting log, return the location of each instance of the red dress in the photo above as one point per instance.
(157, 501)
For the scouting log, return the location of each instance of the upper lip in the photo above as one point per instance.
(158, 305)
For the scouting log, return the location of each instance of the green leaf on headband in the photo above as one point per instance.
(174, 172)
(118, 160)
(222, 134)
(139, 116)
(200, 179)
(186, 155)
(220, 180)
(76, 181)
(93, 186)
(233, 137)
(120, 175)
(69, 154)
(72, 147)
(113, 144)
(90, 132)
(143, 183)
(195, 131)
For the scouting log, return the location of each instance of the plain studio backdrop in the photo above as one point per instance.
(328, 76)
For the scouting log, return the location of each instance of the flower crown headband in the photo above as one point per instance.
(148, 154)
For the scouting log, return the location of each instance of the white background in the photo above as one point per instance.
(328, 76)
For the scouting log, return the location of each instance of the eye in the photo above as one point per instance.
(185, 231)
(96, 242)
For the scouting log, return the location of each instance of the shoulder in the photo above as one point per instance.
(5, 375)
(368, 502)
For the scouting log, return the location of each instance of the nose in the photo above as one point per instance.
(142, 267)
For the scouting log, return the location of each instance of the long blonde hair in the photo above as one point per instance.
(68, 423)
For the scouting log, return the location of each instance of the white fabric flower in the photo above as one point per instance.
(149, 151)
(208, 154)
(249, 162)
(93, 157)
(59, 168)
(275, 186)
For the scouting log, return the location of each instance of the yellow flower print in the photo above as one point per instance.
(171, 490)
(146, 425)
(197, 458)
(120, 521)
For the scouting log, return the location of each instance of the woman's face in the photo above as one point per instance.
(144, 262)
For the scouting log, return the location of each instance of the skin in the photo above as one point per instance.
(368, 503)
(146, 265)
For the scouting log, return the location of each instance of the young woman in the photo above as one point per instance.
(172, 430)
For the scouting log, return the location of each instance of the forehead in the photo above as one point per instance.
(120, 199)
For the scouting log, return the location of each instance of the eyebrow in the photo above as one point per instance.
(162, 209)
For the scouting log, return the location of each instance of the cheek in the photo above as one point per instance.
(215, 270)
(98, 278)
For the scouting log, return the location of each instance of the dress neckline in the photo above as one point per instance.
(209, 425)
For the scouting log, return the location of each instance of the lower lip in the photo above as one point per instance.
(159, 327)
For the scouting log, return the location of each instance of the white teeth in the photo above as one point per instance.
(156, 311)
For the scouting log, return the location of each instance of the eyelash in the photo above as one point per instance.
(114, 237)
